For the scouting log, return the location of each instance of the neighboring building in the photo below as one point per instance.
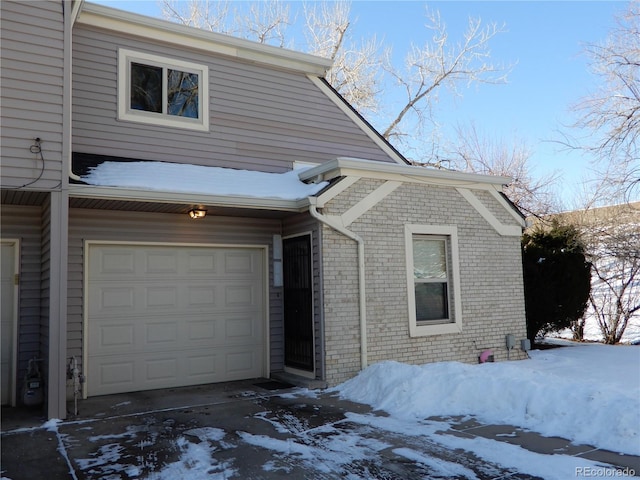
(115, 126)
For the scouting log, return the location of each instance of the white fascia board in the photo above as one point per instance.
(75, 10)
(512, 209)
(153, 196)
(344, 166)
(161, 30)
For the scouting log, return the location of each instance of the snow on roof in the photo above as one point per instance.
(186, 178)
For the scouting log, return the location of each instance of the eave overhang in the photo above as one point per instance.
(99, 16)
(355, 167)
(230, 201)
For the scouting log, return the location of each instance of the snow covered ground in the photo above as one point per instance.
(587, 393)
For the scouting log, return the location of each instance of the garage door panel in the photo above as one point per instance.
(182, 316)
(116, 262)
(240, 263)
(201, 295)
(239, 296)
(201, 330)
(241, 329)
(114, 375)
(202, 263)
(162, 369)
(116, 298)
(161, 297)
(241, 363)
(163, 262)
(165, 370)
(120, 336)
(161, 333)
(202, 367)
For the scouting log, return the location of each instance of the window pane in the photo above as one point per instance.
(429, 258)
(431, 301)
(182, 94)
(146, 88)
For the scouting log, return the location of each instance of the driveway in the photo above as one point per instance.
(261, 430)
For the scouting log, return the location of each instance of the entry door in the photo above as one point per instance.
(298, 303)
(8, 294)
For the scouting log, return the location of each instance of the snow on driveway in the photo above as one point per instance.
(586, 393)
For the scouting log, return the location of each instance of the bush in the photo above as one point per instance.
(557, 278)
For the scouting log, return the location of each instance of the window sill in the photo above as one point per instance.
(164, 121)
(424, 330)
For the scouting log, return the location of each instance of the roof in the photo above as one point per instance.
(108, 18)
(345, 166)
(184, 183)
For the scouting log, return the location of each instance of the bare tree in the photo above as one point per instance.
(612, 236)
(210, 15)
(440, 64)
(356, 67)
(610, 116)
(359, 68)
(473, 152)
(264, 22)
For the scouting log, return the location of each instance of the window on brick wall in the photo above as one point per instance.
(433, 284)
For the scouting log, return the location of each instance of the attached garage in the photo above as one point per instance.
(161, 316)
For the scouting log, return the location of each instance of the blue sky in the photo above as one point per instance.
(544, 40)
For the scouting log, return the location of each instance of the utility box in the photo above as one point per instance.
(525, 344)
(511, 342)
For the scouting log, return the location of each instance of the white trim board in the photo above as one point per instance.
(15, 243)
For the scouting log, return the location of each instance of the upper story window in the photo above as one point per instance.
(433, 284)
(162, 91)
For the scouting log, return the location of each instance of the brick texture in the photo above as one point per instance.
(490, 277)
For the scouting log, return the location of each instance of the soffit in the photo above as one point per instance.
(23, 197)
(180, 209)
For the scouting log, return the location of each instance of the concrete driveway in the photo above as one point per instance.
(256, 430)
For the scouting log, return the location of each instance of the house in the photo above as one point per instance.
(320, 251)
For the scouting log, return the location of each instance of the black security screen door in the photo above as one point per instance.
(298, 298)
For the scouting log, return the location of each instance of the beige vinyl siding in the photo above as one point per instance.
(24, 223)
(260, 118)
(31, 36)
(104, 225)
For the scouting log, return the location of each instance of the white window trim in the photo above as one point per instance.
(451, 232)
(126, 57)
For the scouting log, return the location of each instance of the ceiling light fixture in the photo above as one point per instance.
(197, 213)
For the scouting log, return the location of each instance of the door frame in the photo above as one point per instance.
(15, 242)
(87, 244)
(296, 371)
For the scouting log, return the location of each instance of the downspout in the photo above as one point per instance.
(361, 278)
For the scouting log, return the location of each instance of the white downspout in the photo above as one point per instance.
(361, 278)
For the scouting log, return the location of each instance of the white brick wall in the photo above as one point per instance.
(490, 278)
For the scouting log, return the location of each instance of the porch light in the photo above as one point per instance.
(197, 213)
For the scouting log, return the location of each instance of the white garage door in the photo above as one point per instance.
(170, 316)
